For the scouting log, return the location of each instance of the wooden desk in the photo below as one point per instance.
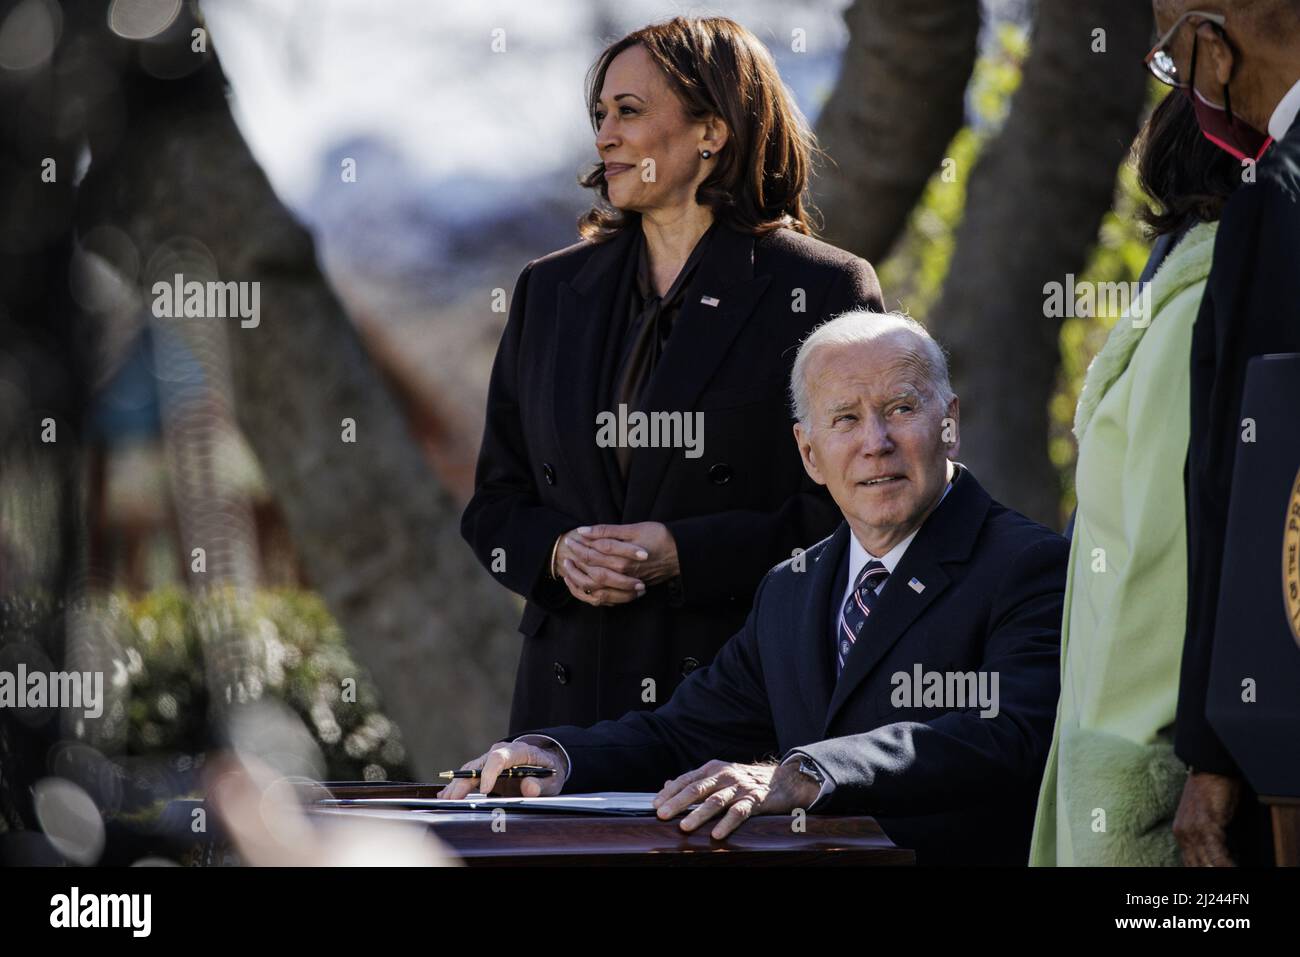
(1286, 829)
(533, 838)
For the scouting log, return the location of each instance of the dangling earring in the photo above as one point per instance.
(705, 154)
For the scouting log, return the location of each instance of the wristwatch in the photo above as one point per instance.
(809, 767)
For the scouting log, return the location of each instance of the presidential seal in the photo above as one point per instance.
(1291, 560)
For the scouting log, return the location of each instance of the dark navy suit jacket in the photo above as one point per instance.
(1249, 309)
(952, 785)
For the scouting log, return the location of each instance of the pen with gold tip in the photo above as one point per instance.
(518, 771)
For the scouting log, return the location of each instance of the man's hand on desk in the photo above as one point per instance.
(739, 789)
(509, 754)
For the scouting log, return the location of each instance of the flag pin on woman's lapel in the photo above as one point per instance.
(709, 300)
(916, 585)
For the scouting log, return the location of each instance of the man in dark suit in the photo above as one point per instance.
(904, 667)
(1251, 307)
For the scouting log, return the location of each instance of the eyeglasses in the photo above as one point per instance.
(1161, 63)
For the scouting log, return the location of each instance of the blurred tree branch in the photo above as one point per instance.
(377, 534)
(896, 105)
(45, 374)
(1035, 201)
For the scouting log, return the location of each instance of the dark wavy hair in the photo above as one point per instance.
(1188, 176)
(718, 68)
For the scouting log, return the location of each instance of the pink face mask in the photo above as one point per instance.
(1229, 133)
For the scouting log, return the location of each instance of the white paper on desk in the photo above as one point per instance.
(407, 815)
(630, 803)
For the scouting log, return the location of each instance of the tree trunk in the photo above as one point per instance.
(376, 533)
(897, 103)
(45, 350)
(1036, 200)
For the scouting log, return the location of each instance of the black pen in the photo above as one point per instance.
(519, 771)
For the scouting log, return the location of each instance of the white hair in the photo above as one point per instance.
(864, 326)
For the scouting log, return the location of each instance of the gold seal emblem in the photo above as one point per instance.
(1291, 560)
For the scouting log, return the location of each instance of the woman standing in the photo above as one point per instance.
(638, 473)
(1113, 782)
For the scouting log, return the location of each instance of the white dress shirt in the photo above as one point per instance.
(1284, 115)
(858, 556)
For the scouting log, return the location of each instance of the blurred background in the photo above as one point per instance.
(231, 521)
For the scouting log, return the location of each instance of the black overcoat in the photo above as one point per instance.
(737, 509)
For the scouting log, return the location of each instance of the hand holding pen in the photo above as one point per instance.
(493, 777)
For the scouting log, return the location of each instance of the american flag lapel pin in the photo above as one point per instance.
(916, 585)
(709, 300)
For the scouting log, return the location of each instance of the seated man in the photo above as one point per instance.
(861, 658)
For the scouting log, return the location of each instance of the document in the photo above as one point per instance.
(627, 803)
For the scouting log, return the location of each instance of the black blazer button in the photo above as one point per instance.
(675, 591)
(720, 474)
(689, 664)
(548, 471)
(561, 674)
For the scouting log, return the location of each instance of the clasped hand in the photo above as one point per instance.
(615, 564)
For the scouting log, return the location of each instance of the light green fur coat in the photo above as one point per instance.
(1112, 781)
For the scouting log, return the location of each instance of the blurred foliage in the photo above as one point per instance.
(159, 652)
(297, 654)
(915, 270)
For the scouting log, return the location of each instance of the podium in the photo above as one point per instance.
(1253, 700)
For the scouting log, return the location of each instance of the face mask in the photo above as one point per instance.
(1229, 133)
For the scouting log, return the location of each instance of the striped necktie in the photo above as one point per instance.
(857, 609)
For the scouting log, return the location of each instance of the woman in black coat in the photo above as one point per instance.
(638, 474)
